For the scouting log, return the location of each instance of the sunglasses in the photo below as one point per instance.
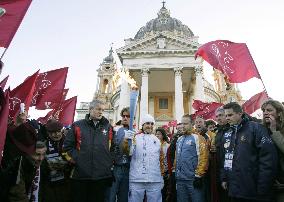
(149, 123)
(125, 116)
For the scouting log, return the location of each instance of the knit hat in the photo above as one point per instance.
(24, 137)
(147, 118)
(53, 125)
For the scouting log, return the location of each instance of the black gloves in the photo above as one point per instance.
(198, 182)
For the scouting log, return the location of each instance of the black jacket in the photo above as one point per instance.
(88, 146)
(254, 164)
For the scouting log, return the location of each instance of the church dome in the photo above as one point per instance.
(164, 23)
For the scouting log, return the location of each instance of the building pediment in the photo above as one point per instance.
(162, 43)
(163, 117)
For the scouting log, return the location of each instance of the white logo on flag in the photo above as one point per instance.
(224, 59)
(14, 101)
(47, 105)
(57, 113)
(44, 83)
(35, 96)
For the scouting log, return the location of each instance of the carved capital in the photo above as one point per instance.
(178, 71)
(145, 71)
(198, 70)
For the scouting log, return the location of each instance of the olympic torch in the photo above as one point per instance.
(132, 108)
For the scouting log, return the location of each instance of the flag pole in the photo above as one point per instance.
(3, 53)
(264, 88)
(263, 85)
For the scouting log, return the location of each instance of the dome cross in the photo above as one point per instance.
(163, 2)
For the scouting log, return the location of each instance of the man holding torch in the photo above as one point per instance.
(145, 166)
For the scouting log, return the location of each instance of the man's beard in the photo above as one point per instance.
(148, 131)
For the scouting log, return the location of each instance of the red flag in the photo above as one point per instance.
(55, 97)
(166, 127)
(206, 110)
(46, 85)
(48, 116)
(4, 113)
(3, 82)
(14, 12)
(172, 123)
(232, 59)
(65, 113)
(254, 102)
(22, 94)
(198, 105)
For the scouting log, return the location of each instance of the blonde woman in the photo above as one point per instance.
(273, 118)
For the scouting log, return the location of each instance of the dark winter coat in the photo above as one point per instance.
(9, 171)
(254, 161)
(17, 190)
(55, 172)
(88, 146)
(278, 139)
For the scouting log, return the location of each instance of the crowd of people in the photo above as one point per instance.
(235, 159)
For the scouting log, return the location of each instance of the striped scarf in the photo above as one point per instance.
(33, 193)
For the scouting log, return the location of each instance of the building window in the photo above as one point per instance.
(163, 106)
(105, 86)
(163, 103)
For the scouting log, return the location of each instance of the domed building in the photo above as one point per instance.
(160, 58)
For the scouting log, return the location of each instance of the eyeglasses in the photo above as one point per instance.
(125, 116)
(149, 123)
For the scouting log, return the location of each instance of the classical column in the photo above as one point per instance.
(199, 86)
(191, 110)
(178, 94)
(98, 84)
(124, 98)
(144, 93)
(109, 89)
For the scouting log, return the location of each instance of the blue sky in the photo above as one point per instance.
(78, 34)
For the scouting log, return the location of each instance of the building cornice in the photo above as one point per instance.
(190, 44)
(165, 52)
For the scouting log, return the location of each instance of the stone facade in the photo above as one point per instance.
(160, 58)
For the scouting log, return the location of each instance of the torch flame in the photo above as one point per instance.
(124, 75)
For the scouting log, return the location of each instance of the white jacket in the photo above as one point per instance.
(145, 160)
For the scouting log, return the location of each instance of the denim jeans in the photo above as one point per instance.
(120, 187)
(187, 193)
